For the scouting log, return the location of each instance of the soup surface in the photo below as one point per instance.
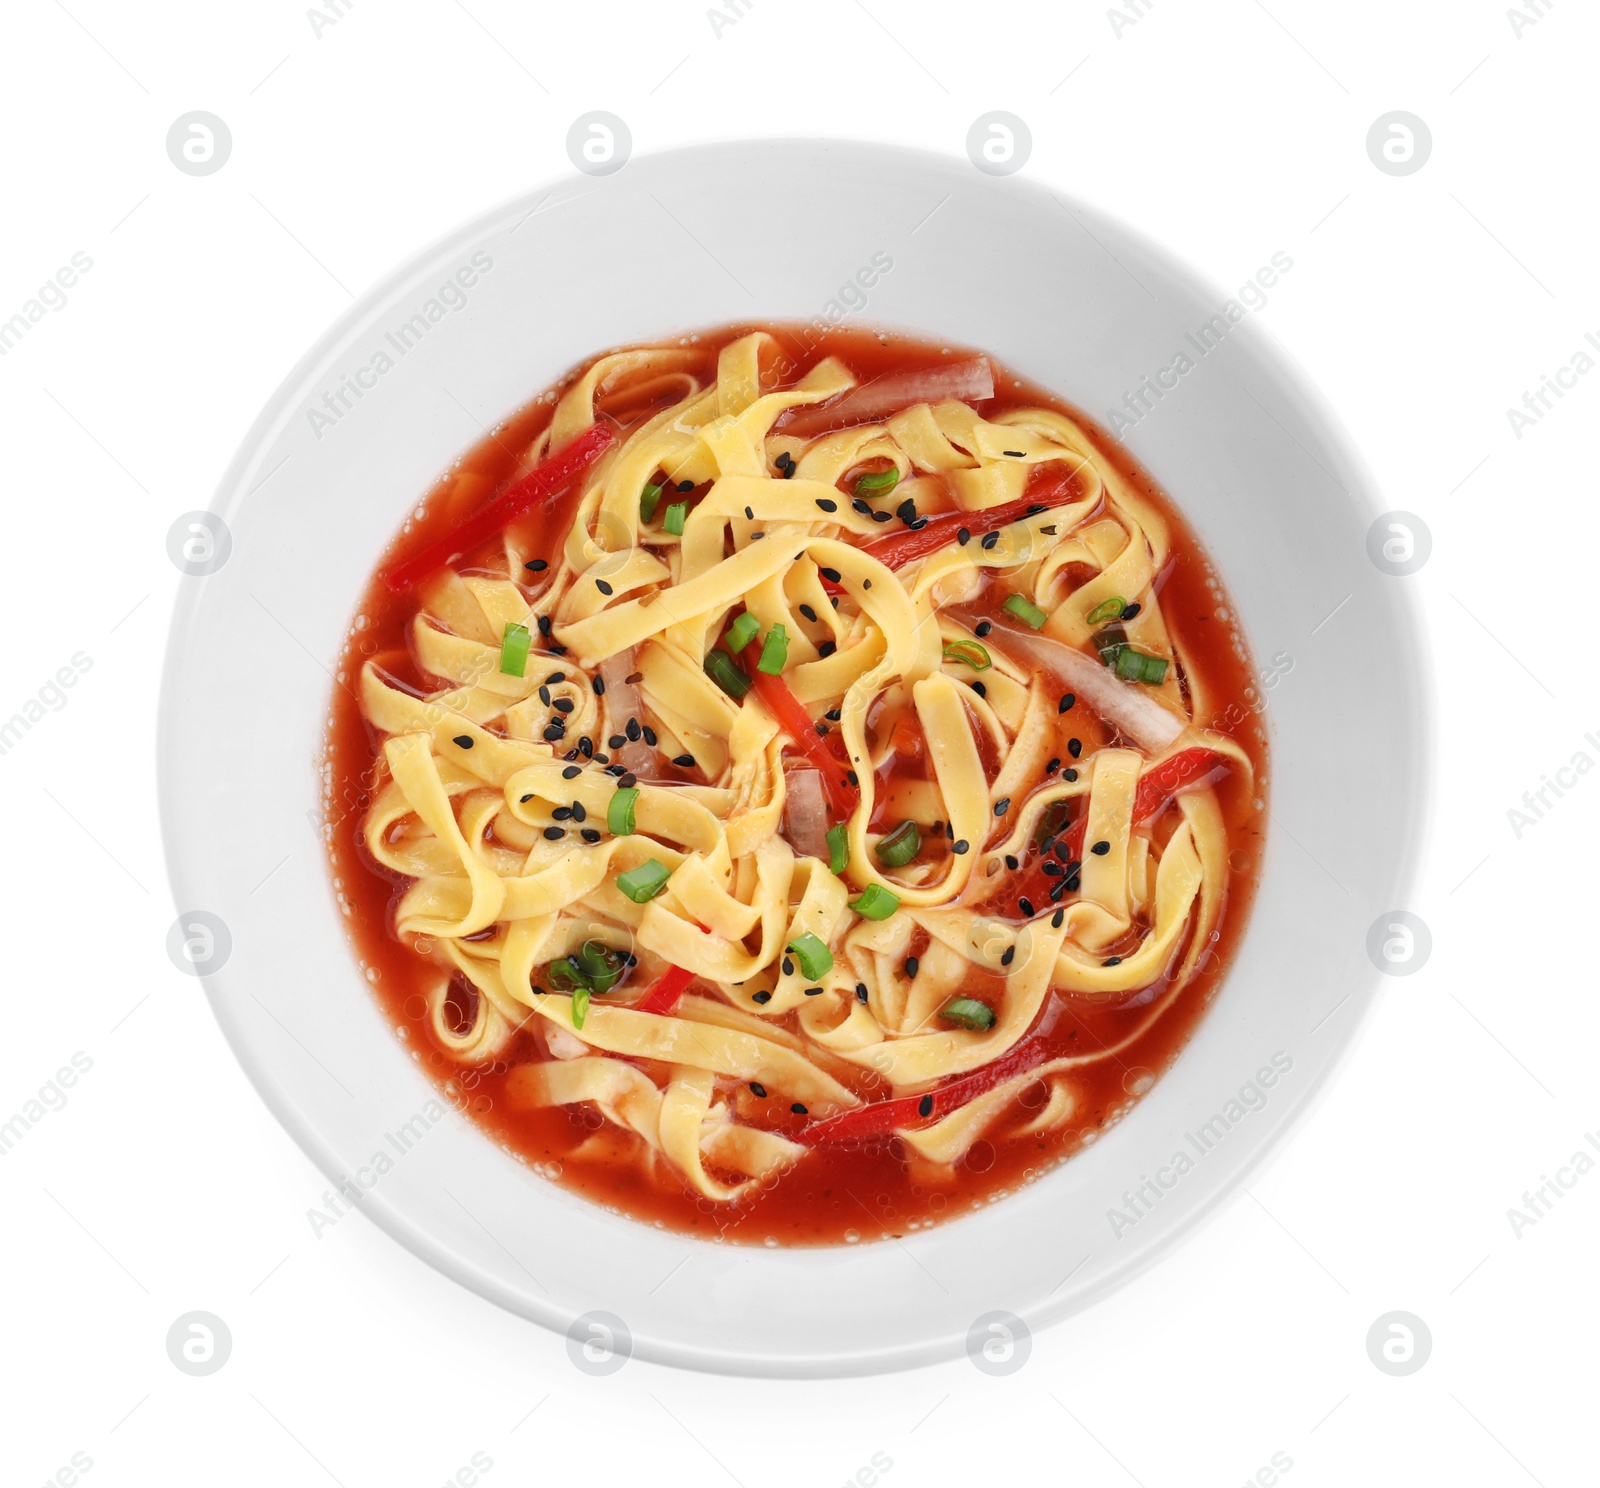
(795, 787)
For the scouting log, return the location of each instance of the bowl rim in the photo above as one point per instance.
(391, 1216)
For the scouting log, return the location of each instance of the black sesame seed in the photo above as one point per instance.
(823, 729)
(960, 847)
(749, 514)
(788, 967)
(1069, 774)
(564, 705)
(572, 772)
(553, 834)
(760, 997)
(1002, 806)
(525, 799)
(1011, 862)
(1008, 955)
(1051, 869)
(536, 565)
(599, 686)
(758, 1090)
(1057, 918)
(627, 780)
(981, 689)
(827, 648)
(1072, 883)
(616, 741)
(866, 583)
(1112, 961)
(918, 525)
(861, 506)
(561, 813)
(1053, 766)
(1067, 700)
(586, 747)
(1058, 890)
(861, 991)
(1015, 454)
(1074, 747)
(833, 599)
(907, 511)
(833, 714)
(555, 677)
(633, 731)
(826, 505)
(556, 650)
(988, 541)
(544, 625)
(1049, 531)
(963, 537)
(614, 769)
(604, 587)
(589, 834)
(911, 966)
(813, 991)
(578, 812)
(879, 516)
(798, 1109)
(685, 485)
(633, 677)
(1047, 844)
(1130, 611)
(1026, 906)
(464, 740)
(925, 1106)
(808, 612)
(830, 574)
(1035, 509)
(544, 696)
(789, 470)
(1101, 848)
(852, 777)
(984, 627)
(649, 736)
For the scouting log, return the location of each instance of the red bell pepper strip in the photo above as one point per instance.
(1158, 786)
(547, 478)
(901, 548)
(663, 997)
(797, 723)
(881, 1117)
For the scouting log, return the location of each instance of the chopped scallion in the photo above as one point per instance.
(649, 498)
(514, 646)
(741, 632)
(1136, 666)
(580, 1006)
(774, 651)
(815, 959)
(878, 482)
(673, 521)
(971, 653)
(875, 903)
(968, 1012)
(838, 848)
(643, 883)
(720, 668)
(619, 811)
(1026, 611)
(1108, 609)
(900, 846)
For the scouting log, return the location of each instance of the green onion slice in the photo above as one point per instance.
(673, 521)
(741, 632)
(875, 903)
(838, 848)
(648, 500)
(968, 1012)
(878, 482)
(1026, 611)
(514, 647)
(972, 653)
(900, 846)
(1109, 609)
(774, 651)
(619, 811)
(1137, 666)
(720, 668)
(643, 883)
(602, 966)
(580, 1006)
(815, 959)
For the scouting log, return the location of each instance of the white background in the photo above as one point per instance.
(1424, 306)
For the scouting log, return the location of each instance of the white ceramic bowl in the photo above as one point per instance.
(694, 239)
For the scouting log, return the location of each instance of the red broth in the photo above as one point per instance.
(834, 1194)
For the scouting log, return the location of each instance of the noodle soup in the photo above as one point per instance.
(795, 789)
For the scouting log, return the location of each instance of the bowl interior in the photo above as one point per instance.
(465, 334)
